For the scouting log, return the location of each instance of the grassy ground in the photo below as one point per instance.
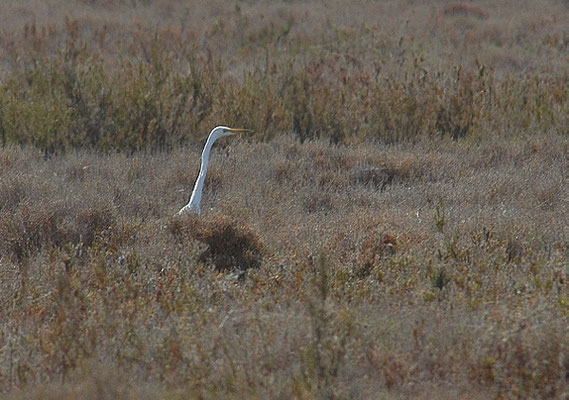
(396, 227)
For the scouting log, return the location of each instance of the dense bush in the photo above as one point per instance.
(230, 245)
(72, 100)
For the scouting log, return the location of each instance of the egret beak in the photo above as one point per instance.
(238, 130)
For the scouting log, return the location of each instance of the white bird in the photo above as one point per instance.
(194, 205)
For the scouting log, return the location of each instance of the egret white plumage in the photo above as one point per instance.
(194, 205)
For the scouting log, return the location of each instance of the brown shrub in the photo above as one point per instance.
(465, 10)
(375, 177)
(29, 229)
(318, 202)
(26, 231)
(230, 243)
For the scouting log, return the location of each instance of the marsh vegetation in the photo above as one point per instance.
(395, 228)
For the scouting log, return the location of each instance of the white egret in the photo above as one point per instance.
(194, 205)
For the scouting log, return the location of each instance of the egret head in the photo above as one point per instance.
(220, 131)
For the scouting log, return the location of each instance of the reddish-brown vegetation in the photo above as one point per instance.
(397, 227)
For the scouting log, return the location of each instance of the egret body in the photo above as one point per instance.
(194, 205)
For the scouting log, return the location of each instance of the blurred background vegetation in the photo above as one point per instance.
(157, 74)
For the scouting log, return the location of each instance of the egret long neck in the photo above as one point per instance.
(196, 198)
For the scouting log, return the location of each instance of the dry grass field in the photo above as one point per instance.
(396, 227)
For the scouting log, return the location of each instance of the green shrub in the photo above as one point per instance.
(73, 100)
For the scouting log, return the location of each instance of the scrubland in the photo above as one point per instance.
(396, 227)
